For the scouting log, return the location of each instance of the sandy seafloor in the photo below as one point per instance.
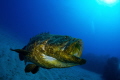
(11, 68)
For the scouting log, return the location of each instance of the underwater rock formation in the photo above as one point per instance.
(98, 61)
(111, 70)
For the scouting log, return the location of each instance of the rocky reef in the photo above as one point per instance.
(111, 69)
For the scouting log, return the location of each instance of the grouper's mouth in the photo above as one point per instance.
(74, 47)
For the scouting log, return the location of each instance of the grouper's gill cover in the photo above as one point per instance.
(51, 51)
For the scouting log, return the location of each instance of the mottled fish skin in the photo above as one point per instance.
(54, 51)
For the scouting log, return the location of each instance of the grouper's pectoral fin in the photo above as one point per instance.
(21, 52)
(21, 57)
(32, 68)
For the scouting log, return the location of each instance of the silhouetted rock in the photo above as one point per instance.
(95, 63)
(111, 70)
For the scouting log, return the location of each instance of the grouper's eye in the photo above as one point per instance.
(77, 45)
(66, 37)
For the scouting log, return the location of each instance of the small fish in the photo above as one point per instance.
(51, 51)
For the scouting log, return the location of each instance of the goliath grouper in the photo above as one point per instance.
(51, 51)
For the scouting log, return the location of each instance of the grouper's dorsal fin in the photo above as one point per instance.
(20, 51)
(32, 68)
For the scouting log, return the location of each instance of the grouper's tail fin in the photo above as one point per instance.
(21, 52)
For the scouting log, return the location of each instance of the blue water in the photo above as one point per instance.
(96, 24)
